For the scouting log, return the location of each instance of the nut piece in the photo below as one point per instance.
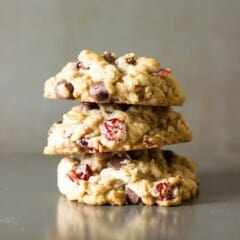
(98, 91)
(64, 89)
(114, 130)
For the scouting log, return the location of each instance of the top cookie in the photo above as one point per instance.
(107, 78)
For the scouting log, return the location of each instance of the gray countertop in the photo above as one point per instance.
(32, 208)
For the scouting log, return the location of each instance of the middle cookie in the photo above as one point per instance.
(92, 128)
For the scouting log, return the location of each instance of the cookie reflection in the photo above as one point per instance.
(78, 221)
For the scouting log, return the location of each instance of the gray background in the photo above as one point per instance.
(199, 40)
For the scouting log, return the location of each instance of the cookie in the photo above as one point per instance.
(136, 177)
(107, 78)
(100, 128)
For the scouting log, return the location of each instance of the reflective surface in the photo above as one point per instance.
(32, 208)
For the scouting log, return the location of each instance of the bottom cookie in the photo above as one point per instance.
(147, 176)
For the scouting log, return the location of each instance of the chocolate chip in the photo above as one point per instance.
(132, 196)
(98, 91)
(168, 155)
(80, 65)
(116, 160)
(88, 106)
(131, 60)
(64, 89)
(109, 57)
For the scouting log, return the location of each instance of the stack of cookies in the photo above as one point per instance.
(122, 119)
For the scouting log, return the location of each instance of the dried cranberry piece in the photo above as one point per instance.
(80, 65)
(83, 142)
(64, 89)
(132, 196)
(81, 172)
(114, 130)
(165, 190)
(116, 160)
(163, 73)
(84, 171)
(109, 57)
(98, 91)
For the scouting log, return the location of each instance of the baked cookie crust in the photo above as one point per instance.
(107, 78)
(136, 177)
(97, 128)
